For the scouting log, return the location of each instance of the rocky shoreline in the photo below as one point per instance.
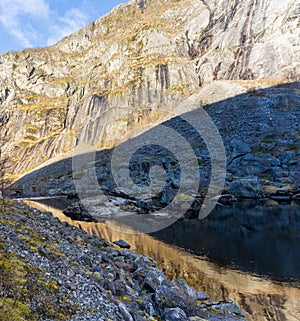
(54, 271)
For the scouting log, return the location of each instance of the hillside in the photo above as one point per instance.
(152, 114)
(131, 67)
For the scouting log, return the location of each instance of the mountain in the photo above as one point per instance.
(127, 71)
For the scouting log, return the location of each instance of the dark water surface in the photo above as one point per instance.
(251, 237)
(248, 253)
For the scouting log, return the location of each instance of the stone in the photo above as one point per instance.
(230, 307)
(202, 296)
(246, 188)
(122, 244)
(76, 211)
(174, 314)
(125, 313)
(154, 278)
(239, 148)
(227, 199)
(189, 292)
(174, 296)
(248, 164)
(43, 251)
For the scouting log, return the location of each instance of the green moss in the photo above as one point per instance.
(214, 312)
(53, 285)
(22, 284)
(125, 298)
(12, 310)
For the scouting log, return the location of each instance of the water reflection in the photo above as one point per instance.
(218, 238)
(250, 237)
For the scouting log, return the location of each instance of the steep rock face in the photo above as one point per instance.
(259, 129)
(131, 67)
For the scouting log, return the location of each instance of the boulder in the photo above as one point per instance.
(239, 148)
(174, 314)
(76, 211)
(246, 188)
(202, 296)
(122, 244)
(228, 306)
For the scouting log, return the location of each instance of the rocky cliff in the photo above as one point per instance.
(131, 67)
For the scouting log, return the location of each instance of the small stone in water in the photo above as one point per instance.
(122, 244)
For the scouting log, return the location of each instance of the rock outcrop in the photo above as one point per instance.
(130, 67)
(129, 70)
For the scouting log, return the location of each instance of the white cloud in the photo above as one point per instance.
(73, 20)
(11, 8)
(12, 14)
(33, 23)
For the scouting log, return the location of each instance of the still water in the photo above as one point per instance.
(248, 253)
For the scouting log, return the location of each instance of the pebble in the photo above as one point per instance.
(122, 244)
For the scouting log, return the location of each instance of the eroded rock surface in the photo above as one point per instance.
(167, 51)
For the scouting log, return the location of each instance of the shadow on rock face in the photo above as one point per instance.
(260, 132)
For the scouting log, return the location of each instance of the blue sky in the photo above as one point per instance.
(38, 23)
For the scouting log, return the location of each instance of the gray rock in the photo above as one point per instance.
(122, 244)
(239, 148)
(246, 188)
(125, 313)
(202, 296)
(189, 291)
(174, 296)
(229, 307)
(77, 211)
(174, 314)
(248, 164)
(154, 278)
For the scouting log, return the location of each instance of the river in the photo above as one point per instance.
(248, 253)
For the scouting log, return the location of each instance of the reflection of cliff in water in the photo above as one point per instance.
(248, 236)
(260, 298)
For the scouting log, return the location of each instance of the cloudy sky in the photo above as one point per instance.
(38, 23)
